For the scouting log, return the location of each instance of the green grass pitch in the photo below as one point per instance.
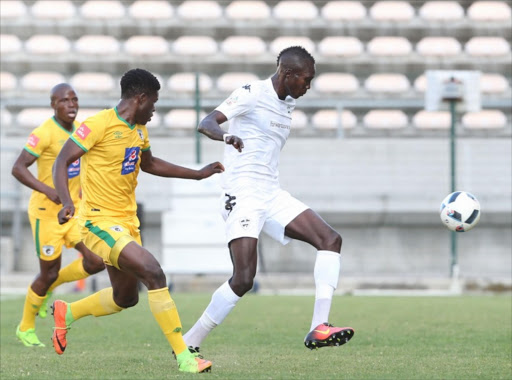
(467, 337)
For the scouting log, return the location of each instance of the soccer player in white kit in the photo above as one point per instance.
(260, 120)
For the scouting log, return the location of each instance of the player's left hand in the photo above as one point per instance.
(211, 169)
(66, 213)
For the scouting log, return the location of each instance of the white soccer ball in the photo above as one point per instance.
(460, 211)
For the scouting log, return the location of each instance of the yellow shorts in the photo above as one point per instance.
(50, 236)
(108, 237)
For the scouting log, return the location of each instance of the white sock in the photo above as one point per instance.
(223, 301)
(327, 273)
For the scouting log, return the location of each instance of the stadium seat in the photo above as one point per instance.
(97, 45)
(420, 83)
(339, 46)
(344, 11)
(389, 46)
(194, 45)
(487, 47)
(391, 83)
(182, 119)
(42, 81)
(438, 46)
(432, 120)
(84, 113)
(243, 46)
(146, 46)
(392, 11)
(295, 10)
(228, 82)
(280, 43)
(33, 117)
(327, 83)
(186, 82)
(5, 118)
(151, 10)
(8, 81)
(92, 82)
(493, 83)
(299, 120)
(11, 9)
(106, 9)
(199, 10)
(385, 119)
(330, 119)
(61, 9)
(248, 10)
(9, 43)
(47, 44)
(441, 11)
(485, 119)
(489, 11)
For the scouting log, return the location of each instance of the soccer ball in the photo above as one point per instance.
(460, 211)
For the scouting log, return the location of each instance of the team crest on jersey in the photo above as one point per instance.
(232, 100)
(141, 135)
(131, 156)
(33, 140)
(74, 169)
(117, 228)
(83, 131)
(48, 250)
(245, 222)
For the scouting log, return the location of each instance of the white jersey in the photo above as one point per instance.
(263, 122)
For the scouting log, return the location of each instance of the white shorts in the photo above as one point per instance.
(255, 210)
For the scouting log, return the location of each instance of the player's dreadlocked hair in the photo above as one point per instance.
(297, 51)
(138, 81)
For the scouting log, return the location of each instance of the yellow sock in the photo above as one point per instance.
(166, 314)
(32, 304)
(97, 304)
(72, 272)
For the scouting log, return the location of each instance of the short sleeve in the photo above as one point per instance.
(240, 102)
(90, 132)
(37, 142)
(145, 138)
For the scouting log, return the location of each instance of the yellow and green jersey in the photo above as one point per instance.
(110, 165)
(45, 143)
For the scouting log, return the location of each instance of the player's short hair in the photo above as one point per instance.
(297, 51)
(138, 81)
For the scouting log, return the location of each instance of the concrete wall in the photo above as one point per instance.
(381, 194)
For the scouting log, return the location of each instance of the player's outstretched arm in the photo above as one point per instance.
(156, 166)
(210, 126)
(70, 152)
(21, 173)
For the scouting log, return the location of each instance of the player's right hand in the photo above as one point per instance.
(53, 196)
(66, 213)
(236, 141)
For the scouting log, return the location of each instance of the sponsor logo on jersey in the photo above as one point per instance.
(48, 250)
(74, 169)
(131, 156)
(117, 228)
(245, 222)
(232, 100)
(141, 135)
(83, 131)
(274, 124)
(118, 134)
(33, 140)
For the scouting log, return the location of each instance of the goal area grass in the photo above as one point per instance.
(456, 337)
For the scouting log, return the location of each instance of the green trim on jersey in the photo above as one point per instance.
(103, 235)
(77, 143)
(123, 120)
(38, 246)
(32, 153)
(61, 127)
(145, 150)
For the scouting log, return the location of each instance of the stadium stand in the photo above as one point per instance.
(151, 10)
(295, 10)
(335, 83)
(493, 84)
(489, 11)
(432, 120)
(47, 44)
(97, 45)
(438, 46)
(146, 46)
(485, 119)
(31, 117)
(400, 11)
(299, 120)
(339, 46)
(389, 46)
(5, 118)
(93, 82)
(8, 81)
(227, 82)
(243, 46)
(385, 119)
(441, 11)
(487, 47)
(186, 83)
(98, 10)
(9, 44)
(195, 45)
(199, 10)
(182, 119)
(84, 113)
(12, 9)
(282, 42)
(344, 11)
(330, 119)
(41, 81)
(389, 83)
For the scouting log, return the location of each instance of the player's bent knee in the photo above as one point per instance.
(332, 242)
(127, 301)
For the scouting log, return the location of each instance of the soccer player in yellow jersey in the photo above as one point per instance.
(113, 145)
(43, 145)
